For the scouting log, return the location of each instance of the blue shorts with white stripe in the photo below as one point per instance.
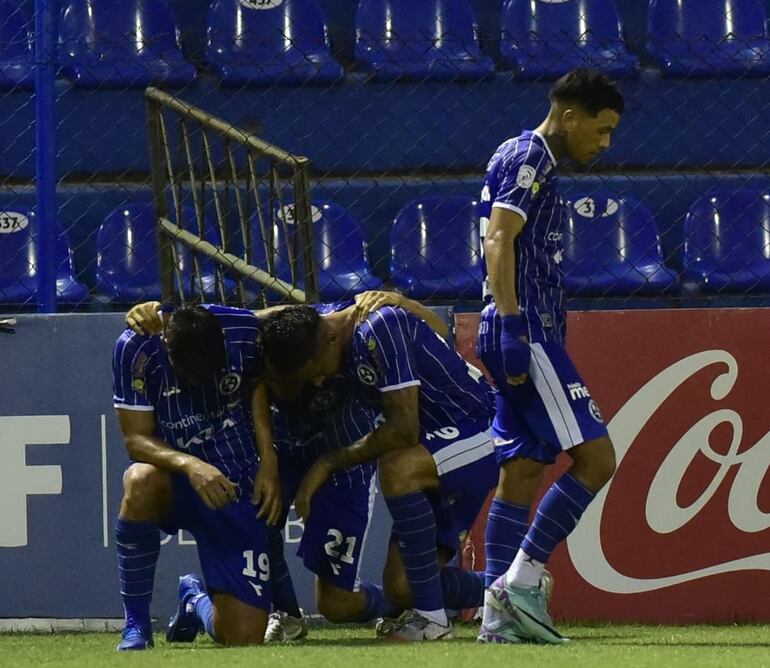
(551, 412)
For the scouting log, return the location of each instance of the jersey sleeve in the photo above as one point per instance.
(518, 179)
(129, 371)
(387, 344)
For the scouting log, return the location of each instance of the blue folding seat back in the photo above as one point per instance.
(340, 253)
(432, 40)
(16, 52)
(548, 39)
(435, 249)
(709, 38)
(612, 248)
(264, 42)
(727, 242)
(19, 266)
(127, 268)
(121, 43)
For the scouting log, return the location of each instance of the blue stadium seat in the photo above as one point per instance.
(612, 248)
(340, 252)
(435, 249)
(709, 38)
(18, 261)
(432, 40)
(127, 269)
(727, 242)
(16, 52)
(121, 43)
(548, 39)
(265, 42)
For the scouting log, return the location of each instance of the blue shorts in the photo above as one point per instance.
(232, 543)
(468, 470)
(549, 413)
(333, 538)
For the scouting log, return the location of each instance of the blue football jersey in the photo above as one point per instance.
(210, 421)
(393, 349)
(520, 177)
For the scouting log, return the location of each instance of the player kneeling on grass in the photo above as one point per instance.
(181, 403)
(433, 451)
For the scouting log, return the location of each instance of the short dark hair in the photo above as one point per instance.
(290, 338)
(588, 88)
(196, 343)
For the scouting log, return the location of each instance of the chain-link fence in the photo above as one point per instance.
(397, 106)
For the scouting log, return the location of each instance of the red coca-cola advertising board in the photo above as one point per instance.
(682, 532)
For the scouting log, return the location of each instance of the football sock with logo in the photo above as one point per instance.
(414, 525)
(204, 612)
(507, 525)
(284, 596)
(138, 547)
(556, 517)
(375, 603)
(462, 589)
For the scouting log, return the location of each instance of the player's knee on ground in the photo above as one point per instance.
(146, 493)
(407, 470)
(338, 605)
(236, 623)
(594, 463)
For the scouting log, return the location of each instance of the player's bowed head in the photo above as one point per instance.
(195, 344)
(586, 107)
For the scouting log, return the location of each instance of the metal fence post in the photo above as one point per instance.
(45, 156)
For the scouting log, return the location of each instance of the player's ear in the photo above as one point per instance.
(570, 119)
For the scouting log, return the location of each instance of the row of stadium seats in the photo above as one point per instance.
(133, 43)
(612, 248)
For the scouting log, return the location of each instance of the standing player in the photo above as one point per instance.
(434, 455)
(180, 403)
(521, 342)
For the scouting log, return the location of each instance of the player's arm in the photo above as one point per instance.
(500, 257)
(368, 302)
(267, 485)
(138, 427)
(401, 429)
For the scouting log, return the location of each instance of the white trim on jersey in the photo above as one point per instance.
(400, 386)
(556, 401)
(370, 512)
(462, 453)
(547, 148)
(511, 207)
(128, 407)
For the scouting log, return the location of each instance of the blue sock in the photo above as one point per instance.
(414, 525)
(462, 589)
(204, 611)
(375, 603)
(138, 546)
(284, 596)
(556, 517)
(506, 526)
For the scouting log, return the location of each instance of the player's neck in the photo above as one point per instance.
(551, 131)
(342, 323)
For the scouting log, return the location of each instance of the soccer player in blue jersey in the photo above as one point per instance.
(433, 451)
(543, 405)
(186, 423)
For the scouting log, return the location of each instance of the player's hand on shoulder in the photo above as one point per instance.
(211, 484)
(515, 349)
(368, 302)
(144, 318)
(267, 494)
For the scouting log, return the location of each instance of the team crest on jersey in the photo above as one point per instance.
(596, 414)
(366, 374)
(323, 401)
(230, 383)
(526, 176)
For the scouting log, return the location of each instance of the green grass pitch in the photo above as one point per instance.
(594, 646)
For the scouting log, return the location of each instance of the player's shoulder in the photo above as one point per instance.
(528, 150)
(332, 307)
(130, 344)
